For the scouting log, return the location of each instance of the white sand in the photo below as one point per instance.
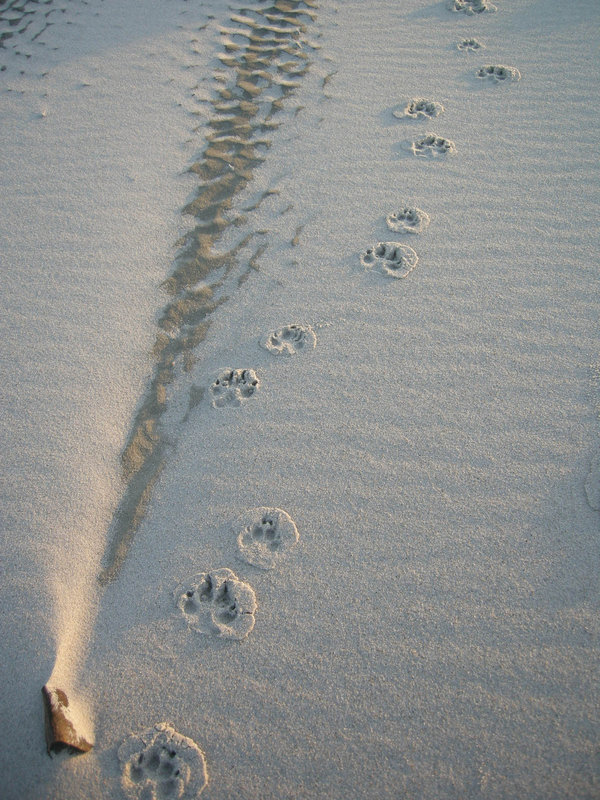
(434, 632)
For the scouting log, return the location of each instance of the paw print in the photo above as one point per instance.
(391, 258)
(233, 386)
(265, 535)
(217, 603)
(161, 763)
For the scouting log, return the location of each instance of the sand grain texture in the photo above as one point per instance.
(434, 630)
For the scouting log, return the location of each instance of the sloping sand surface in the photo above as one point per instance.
(369, 564)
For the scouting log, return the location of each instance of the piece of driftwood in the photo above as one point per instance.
(61, 730)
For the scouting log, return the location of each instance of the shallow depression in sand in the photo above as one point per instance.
(160, 763)
(217, 603)
(265, 536)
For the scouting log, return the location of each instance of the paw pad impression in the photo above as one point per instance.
(499, 73)
(407, 220)
(418, 108)
(161, 763)
(265, 535)
(289, 340)
(391, 258)
(217, 603)
(233, 386)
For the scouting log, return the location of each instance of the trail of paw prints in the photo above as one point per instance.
(218, 604)
(160, 763)
(407, 220)
(233, 386)
(432, 146)
(472, 6)
(289, 340)
(498, 73)
(265, 535)
(390, 258)
(419, 108)
(592, 484)
(470, 45)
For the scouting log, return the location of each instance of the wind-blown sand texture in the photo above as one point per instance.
(192, 184)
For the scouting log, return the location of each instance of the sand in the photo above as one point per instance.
(419, 402)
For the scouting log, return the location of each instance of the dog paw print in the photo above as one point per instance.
(470, 45)
(391, 258)
(418, 108)
(217, 603)
(433, 146)
(289, 340)
(233, 386)
(498, 73)
(265, 535)
(473, 6)
(407, 220)
(161, 764)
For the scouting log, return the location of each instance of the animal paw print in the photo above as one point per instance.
(391, 258)
(289, 340)
(265, 535)
(499, 73)
(433, 146)
(470, 45)
(419, 107)
(233, 386)
(407, 220)
(218, 603)
(161, 763)
(472, 6)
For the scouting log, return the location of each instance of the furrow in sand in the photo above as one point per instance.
(257, 73)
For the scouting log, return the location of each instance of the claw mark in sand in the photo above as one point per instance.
(296, 238)
(328, 77)
(266, 52)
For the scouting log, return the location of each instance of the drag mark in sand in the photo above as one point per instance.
(265, 54)
(161, 763)
(17, 17)
(23, 22)
(217, 603)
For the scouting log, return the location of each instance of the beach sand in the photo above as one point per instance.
(313, 492)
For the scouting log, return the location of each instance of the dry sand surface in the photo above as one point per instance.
(301, 398)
